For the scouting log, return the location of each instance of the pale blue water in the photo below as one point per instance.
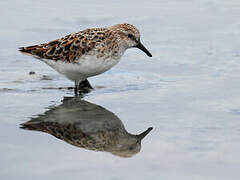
(188, 91)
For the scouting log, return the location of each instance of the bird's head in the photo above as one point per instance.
(130, 36)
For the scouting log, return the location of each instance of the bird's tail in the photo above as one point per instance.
(35, 125)
(37, 51)
(27, 50)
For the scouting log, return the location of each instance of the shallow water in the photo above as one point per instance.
(188, 91)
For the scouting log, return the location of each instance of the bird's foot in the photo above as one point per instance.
(85, 87)
(82, 88)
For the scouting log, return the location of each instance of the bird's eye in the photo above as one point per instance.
(130, 36)
(131, 148)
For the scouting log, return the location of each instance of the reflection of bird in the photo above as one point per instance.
(88, 126)
(89, 52)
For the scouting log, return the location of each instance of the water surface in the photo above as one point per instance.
(188, 92)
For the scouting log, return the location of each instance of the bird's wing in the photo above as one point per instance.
(68, 48)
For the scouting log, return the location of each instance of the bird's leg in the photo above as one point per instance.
(85, 86)
(76, 88)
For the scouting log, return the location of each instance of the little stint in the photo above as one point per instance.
(87, 53)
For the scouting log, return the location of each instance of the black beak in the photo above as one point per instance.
(141, 46)
(143, 134)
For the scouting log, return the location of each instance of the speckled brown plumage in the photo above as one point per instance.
(89, 52)
(73, 46)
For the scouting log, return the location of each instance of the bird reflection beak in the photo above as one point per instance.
(143, 134)
(141, 46)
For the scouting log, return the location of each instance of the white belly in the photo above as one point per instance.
(85, 67)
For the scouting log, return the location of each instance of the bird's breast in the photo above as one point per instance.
(91, 65)
(84, 67)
